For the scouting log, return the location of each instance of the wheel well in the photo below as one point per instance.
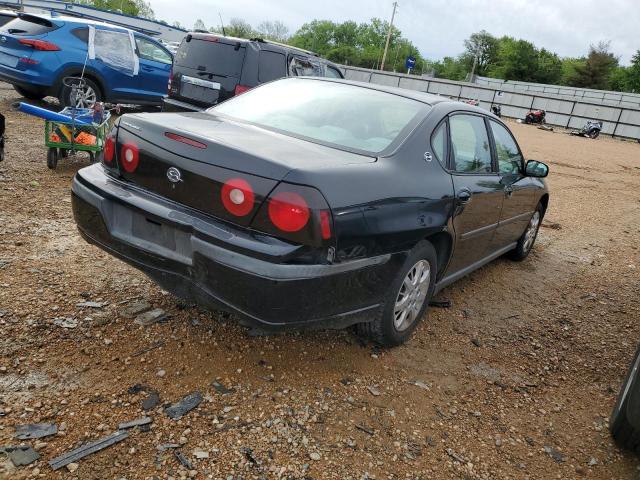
(442, 243)
(544, 200)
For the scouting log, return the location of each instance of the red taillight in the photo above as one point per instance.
(109, 149)
(288, 211)
(28, 60)
(237, 197)
(186, 140)
(42, 45)
(325, 224)
(241, 89)
(129, 157)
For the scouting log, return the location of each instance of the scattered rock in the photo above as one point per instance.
(135, 308)
(161, 373)
(88, 304)
(65, 322)
(374, 391)
(151, 402)
(72, 467)
(151, 317)
(554, 454)
(315, 456)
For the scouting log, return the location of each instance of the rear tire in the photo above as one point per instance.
(406, 300)
(528, 238)
(29, 94)
(624, 434)
(90, 95)
(594, 134)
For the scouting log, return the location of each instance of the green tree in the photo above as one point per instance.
(199, 25)
(276, 31)
(483, 46)
(549, 68)
(517, 60)
(239, 28)
(633, 74)
(597, 70)
(139, 8)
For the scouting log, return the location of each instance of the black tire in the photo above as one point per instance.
(526, 241)
(52, 158)
(594, 134)
(624, 434)
(92, 157)
(65, 94)
(528, 119)
(383, 329)
(29, 94)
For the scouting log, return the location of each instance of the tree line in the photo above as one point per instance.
(362, 44)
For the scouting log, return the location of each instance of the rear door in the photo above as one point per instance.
(479, 193)
(206, 70)
(155, 65)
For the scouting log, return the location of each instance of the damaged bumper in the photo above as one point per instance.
(213, 264)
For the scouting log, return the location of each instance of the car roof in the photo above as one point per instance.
(200, 35)
(84, 21)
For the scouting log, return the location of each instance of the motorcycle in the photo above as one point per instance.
(497, 110)
(535, 116)
(591, 129)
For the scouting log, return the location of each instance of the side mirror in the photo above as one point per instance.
(536, 169)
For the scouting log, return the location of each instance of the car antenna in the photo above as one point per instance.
(222, 24)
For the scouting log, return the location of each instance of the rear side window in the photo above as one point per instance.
(5, 18)
(212, 57)
(302, 67)
(81, 34)
(28, 25)
(439, 143)
(332, 72)
(471, 152)
(271, 65)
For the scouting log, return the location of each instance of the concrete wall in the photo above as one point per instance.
(565, 106)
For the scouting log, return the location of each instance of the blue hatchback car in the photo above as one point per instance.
(37, 52)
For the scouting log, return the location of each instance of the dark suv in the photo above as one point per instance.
(208, 69)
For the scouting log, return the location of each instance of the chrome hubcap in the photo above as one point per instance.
(412, 295)
(86, 97)
(532, 230)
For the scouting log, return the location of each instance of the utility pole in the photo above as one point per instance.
(386, 45)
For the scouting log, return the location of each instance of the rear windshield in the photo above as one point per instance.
(334, 113)
(212, 57)
(5, 17)
(28, 25)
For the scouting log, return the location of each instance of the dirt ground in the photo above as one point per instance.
(515, 380)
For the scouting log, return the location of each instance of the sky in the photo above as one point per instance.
(439, 27)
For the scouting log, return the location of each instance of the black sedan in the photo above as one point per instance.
(313, 202)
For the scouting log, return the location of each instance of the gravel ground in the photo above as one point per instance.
(515, 380)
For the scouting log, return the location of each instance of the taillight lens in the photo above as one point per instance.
(237, 197)
(109, 149)
(186, 140)
(41, 45)
(296, 213)
(129, 157)
(288, 211)
(241, 89)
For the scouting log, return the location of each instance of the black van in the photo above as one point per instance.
(209, 68)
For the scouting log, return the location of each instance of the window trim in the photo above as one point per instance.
(444, 163)
(495, 150)
(494, 171)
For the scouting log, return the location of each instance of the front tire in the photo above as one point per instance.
(528, 238)
(625, 435)
(52, 158)
(406, 300)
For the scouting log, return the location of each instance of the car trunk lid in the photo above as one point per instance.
(210, 151)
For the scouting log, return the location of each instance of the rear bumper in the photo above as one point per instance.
(24, 78)
(173, 105)
(210, 263)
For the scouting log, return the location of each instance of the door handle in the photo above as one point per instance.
(463, 196)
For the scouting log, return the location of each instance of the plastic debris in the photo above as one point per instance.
(221, 389)
(151, 402)
(21, 455)
(135, 423)
(184, 406)
(88, 449)
(88, 304)
(151, 317)
(183, 460)
(65, 322)
(35, 430)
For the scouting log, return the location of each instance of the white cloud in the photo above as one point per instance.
(439, 27)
